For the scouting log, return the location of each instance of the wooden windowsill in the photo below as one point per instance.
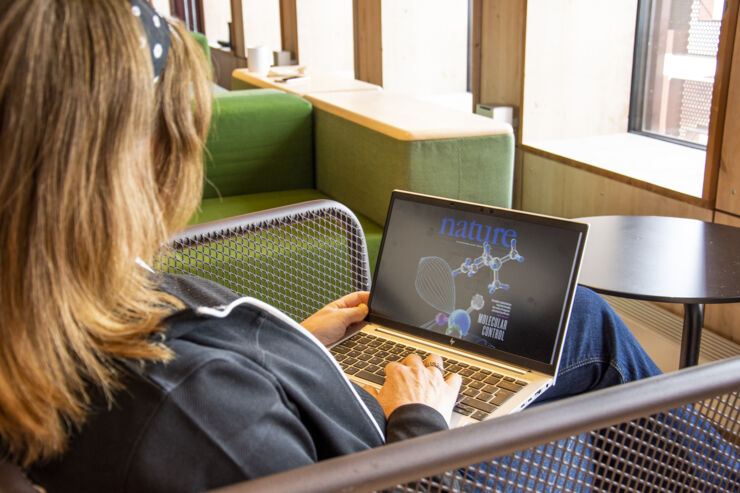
(664, 164)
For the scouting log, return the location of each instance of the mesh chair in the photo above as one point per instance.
(660, 434)
(674, 432)
(298, 258)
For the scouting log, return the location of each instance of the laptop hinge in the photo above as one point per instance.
(448, 349)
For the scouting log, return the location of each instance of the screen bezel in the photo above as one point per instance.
(549, 368)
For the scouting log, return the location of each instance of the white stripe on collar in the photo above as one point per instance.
(144, 265)
(224, 311)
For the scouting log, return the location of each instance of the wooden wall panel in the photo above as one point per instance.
(368, 41)
(501, 51)
(237, 30)
(289, 27)
(724, 319)
(730, 220)
(718, 112)
(224, 62)
(728, 184)
(550, 187)
(475, 50)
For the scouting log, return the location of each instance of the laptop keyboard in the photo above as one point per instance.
(365, 356)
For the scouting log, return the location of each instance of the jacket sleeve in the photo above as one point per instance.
(223, 423)
(413, 420)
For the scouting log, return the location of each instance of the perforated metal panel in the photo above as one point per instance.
(692, 448)
(696, 102)
(671, 433)
(703, 33)
(296, 258)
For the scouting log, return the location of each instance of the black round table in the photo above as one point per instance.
(665, 259)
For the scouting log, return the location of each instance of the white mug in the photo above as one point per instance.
(259, 59)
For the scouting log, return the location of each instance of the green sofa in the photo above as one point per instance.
(267, 148)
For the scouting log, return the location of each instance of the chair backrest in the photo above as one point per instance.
(297, 258)
(674, 432)
(666, 433)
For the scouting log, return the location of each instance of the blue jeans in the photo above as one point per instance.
(600, 351)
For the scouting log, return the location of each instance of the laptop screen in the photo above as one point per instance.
(491, 280)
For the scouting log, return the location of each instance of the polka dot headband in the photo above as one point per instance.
(157, 32)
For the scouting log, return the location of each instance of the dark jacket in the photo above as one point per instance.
(249, 393)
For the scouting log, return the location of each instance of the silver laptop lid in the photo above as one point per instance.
(494, 282)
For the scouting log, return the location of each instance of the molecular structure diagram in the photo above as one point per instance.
(458, 321)
(435, 284)
(472, 266)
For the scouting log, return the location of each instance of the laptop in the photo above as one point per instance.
(489, 289)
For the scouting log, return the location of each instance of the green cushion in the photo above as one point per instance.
(260, 140)
(221, 208)
(360, 167)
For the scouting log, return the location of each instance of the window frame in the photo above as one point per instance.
(636, 115)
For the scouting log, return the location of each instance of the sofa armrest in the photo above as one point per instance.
(260, 141)
(369, 143)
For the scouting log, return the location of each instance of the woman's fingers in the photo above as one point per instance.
(353, 299)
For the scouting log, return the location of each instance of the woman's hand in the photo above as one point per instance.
(330, 323)
(415, 382)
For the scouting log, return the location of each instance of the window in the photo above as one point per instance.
(426, 50)
(675, 60)
(603, 79)
(217, 21)
(325, 36)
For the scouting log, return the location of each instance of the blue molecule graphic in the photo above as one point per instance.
(459, 320)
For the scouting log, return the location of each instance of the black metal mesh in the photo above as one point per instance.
(309, 255)
(297, 262)
(692, 448)
(638, 436)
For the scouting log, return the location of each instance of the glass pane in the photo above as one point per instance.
(262, 24)
(217, 16)
(325, 34)
(425, 50)
(681, 62)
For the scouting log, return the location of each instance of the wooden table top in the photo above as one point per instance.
(665, 259)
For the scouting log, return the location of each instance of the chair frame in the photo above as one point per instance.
(421, 461)
(710, 391)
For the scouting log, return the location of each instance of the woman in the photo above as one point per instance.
(115, 379)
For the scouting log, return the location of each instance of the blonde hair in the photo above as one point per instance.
(100, 166)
